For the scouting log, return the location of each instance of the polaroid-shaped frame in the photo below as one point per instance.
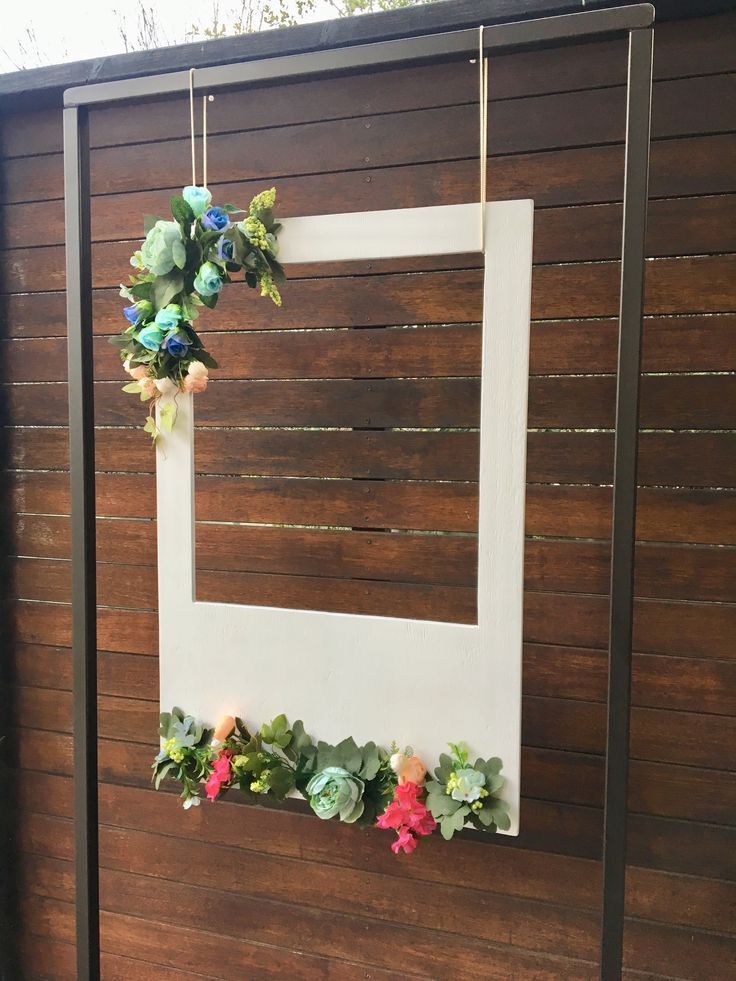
(418, 682)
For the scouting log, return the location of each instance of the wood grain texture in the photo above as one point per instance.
(396, 411)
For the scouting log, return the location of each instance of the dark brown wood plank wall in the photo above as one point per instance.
(277, 894)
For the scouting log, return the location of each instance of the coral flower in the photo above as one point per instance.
(408, 816)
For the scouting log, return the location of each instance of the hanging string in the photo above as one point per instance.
(483, 136)
(204, 140)
(191, 120)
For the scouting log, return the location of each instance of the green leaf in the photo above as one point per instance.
(351, 756)
(277, 271)
(485, 816)
(210, 301)
(151, 428)
(162, 772)
(142, 291)
(167, 416)
(179, 254)
(503, 821)
(207, 360)
(371, 762)
(453, 822)
(133, 387)
(281, 780)
(166, 287)
(232, 209)
(121, 341)
(181, 211)
(440, 803)
(494, 783)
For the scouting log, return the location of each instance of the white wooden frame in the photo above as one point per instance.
(381, 678)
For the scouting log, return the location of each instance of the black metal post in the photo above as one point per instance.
(84, 586)
(631, 307)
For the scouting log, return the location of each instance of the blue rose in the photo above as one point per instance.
(198, 199)
(177, 344)
(225, 250)
(132, 313)
(169, 317)
(151, 337)
(215, 219)
(208, 281)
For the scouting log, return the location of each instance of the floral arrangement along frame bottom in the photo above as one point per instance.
(357, 784)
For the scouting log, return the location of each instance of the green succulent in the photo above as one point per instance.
(335, 792)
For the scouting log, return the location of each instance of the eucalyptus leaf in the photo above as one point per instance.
(166, 287)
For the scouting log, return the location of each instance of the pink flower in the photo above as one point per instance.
(221, 768)
(405, 840)
(219, 779)
(408, 816)
(212, 786)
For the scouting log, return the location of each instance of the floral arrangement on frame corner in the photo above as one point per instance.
(183, 265)
(364, 785)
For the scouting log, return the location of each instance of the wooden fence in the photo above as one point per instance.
(336, 386)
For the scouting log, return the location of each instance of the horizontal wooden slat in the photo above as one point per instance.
(668, 402)
(526, 874)
(670, 344)
(674, 459)
(670, 515)
(689, 629)
(677, 683)
(703, 165)
(676, 226)
(572, 620)
(659, 739)
(654, 842)
(591, 117)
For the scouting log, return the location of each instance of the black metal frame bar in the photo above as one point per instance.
(636, 21)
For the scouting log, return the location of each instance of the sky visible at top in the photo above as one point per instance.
(72, 30)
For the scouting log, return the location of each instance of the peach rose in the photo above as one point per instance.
(197, 369)
(137, 372)
(196, 378)
(412, 771)
(224, 729)
(148, 386)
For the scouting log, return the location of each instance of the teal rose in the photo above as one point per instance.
(151, 337)
(466, 784)
(163, 248)
(208, 281)
(169, 317)
(198, 199)
(336, 792)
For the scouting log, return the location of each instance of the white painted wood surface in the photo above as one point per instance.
(422, 683)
